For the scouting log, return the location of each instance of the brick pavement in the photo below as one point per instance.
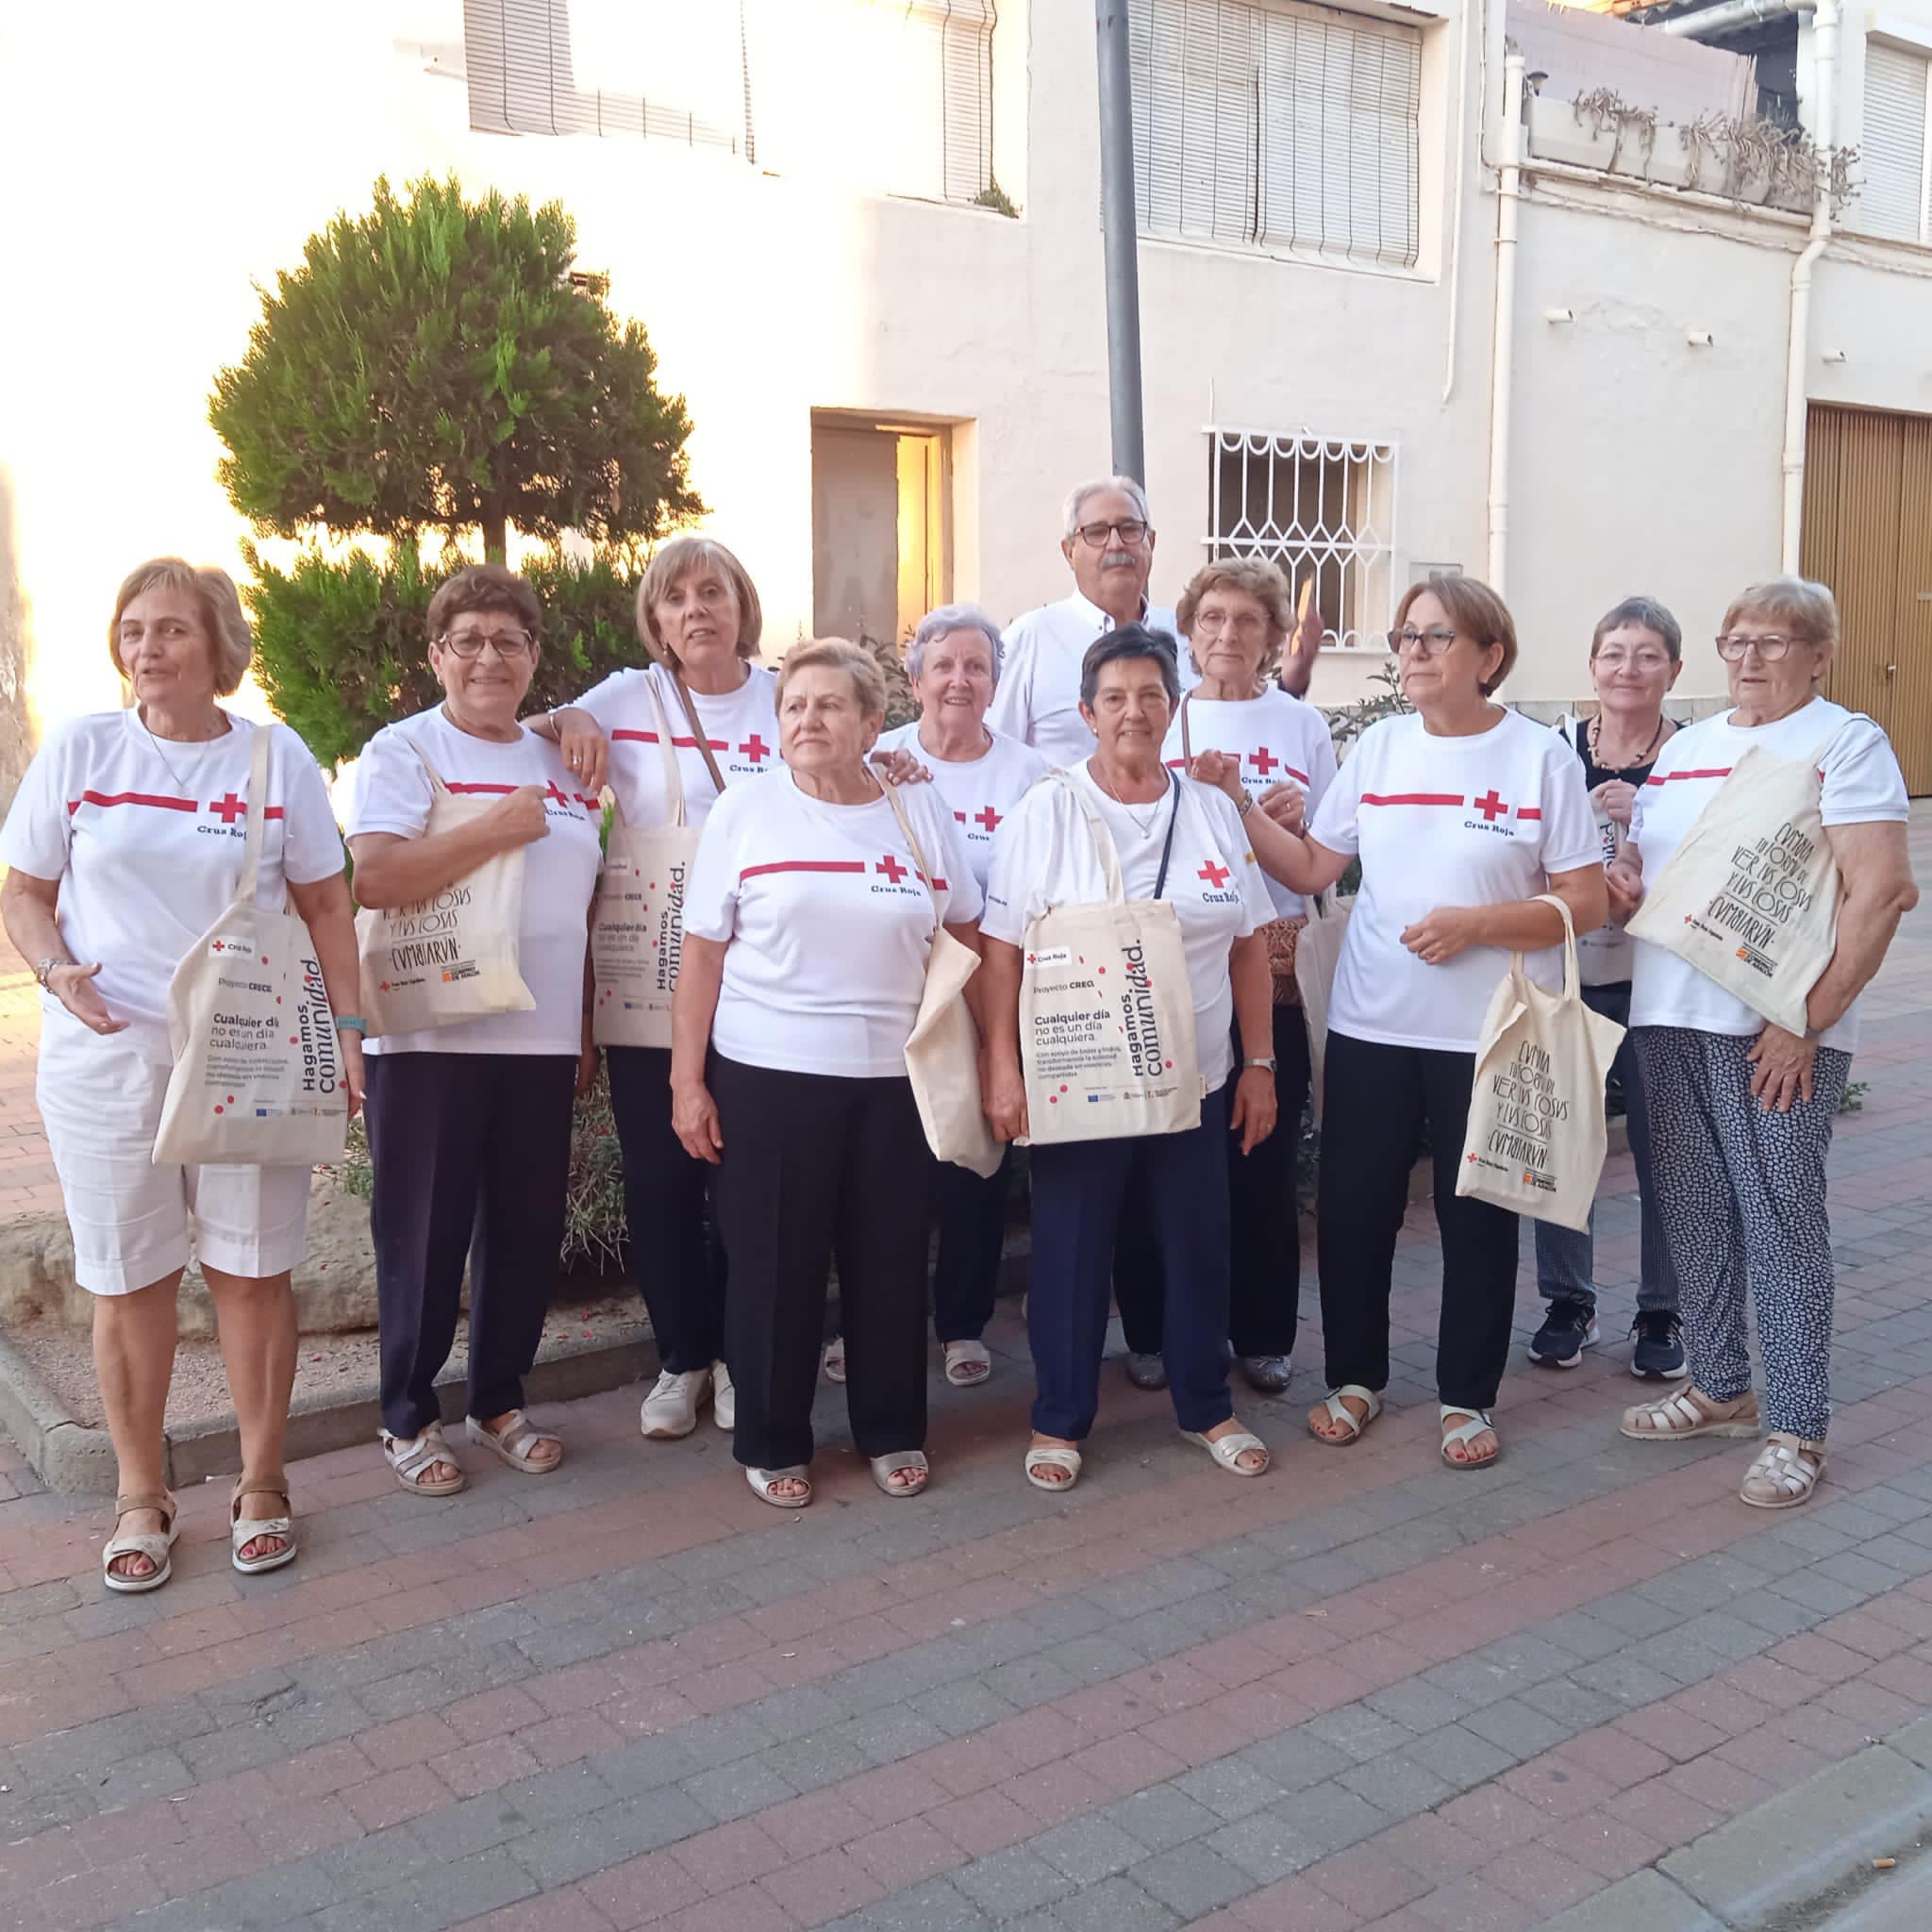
(1366, 1691)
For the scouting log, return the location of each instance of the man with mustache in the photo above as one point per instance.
(1108, 544)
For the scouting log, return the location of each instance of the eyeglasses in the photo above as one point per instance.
(1430, 643)
(509, 644)
(1095, 535)
(1644, 660)
(1771, 647)
(1245, 624)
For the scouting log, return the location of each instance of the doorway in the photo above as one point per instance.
(881, 495)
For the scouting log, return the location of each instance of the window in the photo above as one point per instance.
(1319, 507)
(1265, 125)
(1896, 198)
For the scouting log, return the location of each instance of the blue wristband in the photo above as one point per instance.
(350, 1023)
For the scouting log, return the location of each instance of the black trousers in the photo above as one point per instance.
(1374, 1100)
(673, 1238)
(471, 1158)
(1265, 1287)
(817, 1169)
(973, 1228)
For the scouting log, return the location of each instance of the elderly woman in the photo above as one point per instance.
(1463, 815)
(1742, 1111)
(124, 845)
(1634, 659)
(807, 920)
(468, 1123)
(1182, 841)
(1239, 731)
(698, 611)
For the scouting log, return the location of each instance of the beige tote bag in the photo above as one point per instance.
(637, 925)
(942, 1051)
(1317, 953)
(1106, 1014)
(1535, 1113)
(258, 1077)
(1750, 898)
(452, 956)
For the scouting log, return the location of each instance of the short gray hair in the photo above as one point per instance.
(950, 617)
(1077, 495)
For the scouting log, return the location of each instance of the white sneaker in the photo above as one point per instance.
(724, 1397)
(670, 1409)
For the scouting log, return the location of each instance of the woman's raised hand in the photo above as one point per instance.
(1616, 797)
(519, 816)
(901, 767)
(1220, 769)
(586, 750)
(72, 985)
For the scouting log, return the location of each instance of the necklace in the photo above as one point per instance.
(167, 765)
(1146, 827)
(1644, 757)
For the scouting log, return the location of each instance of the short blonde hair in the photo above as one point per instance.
(670, 565)
(1476, 610)
(1253, 576)
(230, 643)
(1808, 608)
(838, 654)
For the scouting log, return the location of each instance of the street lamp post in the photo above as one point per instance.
(1122, 241)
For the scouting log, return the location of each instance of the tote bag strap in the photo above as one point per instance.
(674, 775)
(1103, 840)
(697, 730)
(1571, 988)
(1173, 813)
(917, 855)
(1187, 742)
(436, 780)
(258, 814)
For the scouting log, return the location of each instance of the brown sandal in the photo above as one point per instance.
(1688, 1411)
(243, 1530)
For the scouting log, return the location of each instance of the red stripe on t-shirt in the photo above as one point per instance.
(691, 743)
(74, 805)
(505, 790)
(1301, 776)
(1667, 776)
(639, 736)
(1412, 798)
(1530, 811)
(752, 872)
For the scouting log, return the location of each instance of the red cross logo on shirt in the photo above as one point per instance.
(1216, 875)
(891, 868)
(755, 748)
(1491, 807)
(988, 817)
(550, 791)
(230, 809)
(1263, 760)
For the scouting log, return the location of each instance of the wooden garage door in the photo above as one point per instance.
(1868, 534)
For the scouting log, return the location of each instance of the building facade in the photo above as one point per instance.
(864, 236)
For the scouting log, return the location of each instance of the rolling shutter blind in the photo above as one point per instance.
(516, 54)
(1894, 200)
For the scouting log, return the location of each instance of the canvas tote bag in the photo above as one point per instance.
(1107, 1015)
(942, 1051)
(636, 927)
(1317, 953)
(1750, 898)
(1535, 1113)
(452, 956)
(257, 1076)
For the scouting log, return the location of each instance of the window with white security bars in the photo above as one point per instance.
(1260, 124)
(1322, 507)
(1895, 155)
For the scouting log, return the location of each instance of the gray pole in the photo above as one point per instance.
(1122, 248)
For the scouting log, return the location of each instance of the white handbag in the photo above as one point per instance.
(1317, 953)
(258, 1075)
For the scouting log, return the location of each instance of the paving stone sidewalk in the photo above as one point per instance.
(1364, 1691)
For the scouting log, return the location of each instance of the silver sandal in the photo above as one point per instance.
(1783, 1474)
(411, 1457)
(156, 1545)
(243, 1530)
(764, 1484)
(515, 1440)
(884, 1467)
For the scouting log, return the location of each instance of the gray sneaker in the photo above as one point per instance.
(1146, 1370)
(1268, 1373)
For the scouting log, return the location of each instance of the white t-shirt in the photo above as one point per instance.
(981, 792)
(741, 729)
(147, 844)
(829, 923)
(1437, 822)
(1038, 697)
(1862, 784)
(1276, 737)
(1044, 857)
(393, 794)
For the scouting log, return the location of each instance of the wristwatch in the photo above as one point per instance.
(1267, 1063)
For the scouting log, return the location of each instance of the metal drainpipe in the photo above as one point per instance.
(1508, 191)
(1824, 30)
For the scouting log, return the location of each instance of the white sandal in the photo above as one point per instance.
(967, 1363)
(410, 1457)
(1053, 1455)
(1338, 1413)
(243, 1530)
(515, 1442)
(834, 1359)
(1784, 1473)
(1479, 1424)
(885, 1466)
(1228, 1450)
(764, 1483)
(1688, 1411)
(155, 1544)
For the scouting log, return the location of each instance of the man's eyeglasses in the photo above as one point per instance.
(1095, 535)
(509, 644)
(1429, 644)
(1771, 647)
